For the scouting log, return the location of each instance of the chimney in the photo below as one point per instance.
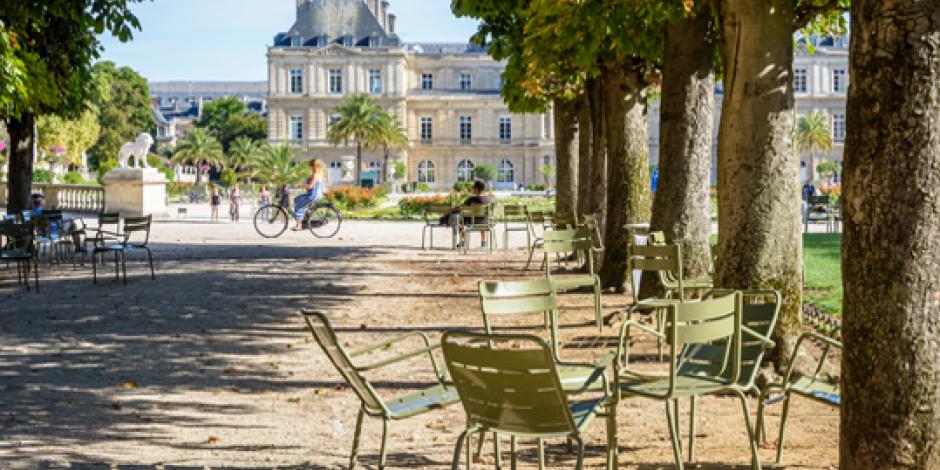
(383, 15)
(391, 23)
(374, 7)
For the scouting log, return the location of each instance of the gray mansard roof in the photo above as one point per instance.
(321, 22)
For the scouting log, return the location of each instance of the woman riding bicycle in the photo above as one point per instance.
(313, 192)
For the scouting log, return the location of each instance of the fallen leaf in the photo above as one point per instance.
(129, 384)
(116, 407)
(212, 440)
(293, 400)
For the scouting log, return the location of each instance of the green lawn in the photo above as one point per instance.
(822, 284)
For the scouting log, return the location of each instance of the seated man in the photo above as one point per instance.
(476, 198)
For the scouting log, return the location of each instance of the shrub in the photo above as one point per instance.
(423, 188)
(382, 190)
(228, 177)
(168, 172)
(463, 186)
(348, 197)
(103, 169)
(485, 172)
(42, 176)
(401, 171)
(537, 187)
(73, 177)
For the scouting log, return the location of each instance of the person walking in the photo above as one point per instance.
(234, 203)
(214, 202)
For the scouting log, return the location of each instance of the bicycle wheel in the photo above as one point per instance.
(272, 225)
(324, 221)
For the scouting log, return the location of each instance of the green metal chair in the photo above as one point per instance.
(509, 384)
(130, 241)
(432, 221)
(403, 407)
(815, 387)
(514, 219)
(17, 245)
(578, 241)
(689, 328)
(539, 222)
(564, 220)
(671, 280)
(475, 218)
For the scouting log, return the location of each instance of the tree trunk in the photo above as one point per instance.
(585, 163)
(358, 162)
(566, 155)
(628, 185)
(681, 207)
(760, 236)
(891, 247)
(598, 156)
(20, 178)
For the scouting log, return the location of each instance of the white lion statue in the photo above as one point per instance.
(139, 149)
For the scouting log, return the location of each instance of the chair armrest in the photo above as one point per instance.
(768, 343)
(597, 374)
(391, 341)
(427, 349)
(399, 358)
(822, 359)
(623, 344)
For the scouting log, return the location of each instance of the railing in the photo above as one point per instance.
(65, 197)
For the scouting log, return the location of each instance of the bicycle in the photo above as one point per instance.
(321, 218)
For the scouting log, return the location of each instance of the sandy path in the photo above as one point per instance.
(209, 365)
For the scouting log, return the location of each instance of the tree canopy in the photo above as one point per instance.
(122, 98)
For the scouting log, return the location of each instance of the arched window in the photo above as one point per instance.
(426, 172)
(465, 170)
(505, 173)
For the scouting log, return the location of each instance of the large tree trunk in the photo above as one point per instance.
(566, 155)
(22, 142)
(681, 207)
(598, 157)
(585, 162)
(891, 248)
(358, 162)
(760, 236)
(628, 185)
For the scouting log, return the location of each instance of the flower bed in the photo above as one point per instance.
(353, 198)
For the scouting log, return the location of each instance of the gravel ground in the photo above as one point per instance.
(209, 366)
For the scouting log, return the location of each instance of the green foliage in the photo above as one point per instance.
(241, 152)
(252, 126)
(829, 168)
(167, 172)
(360, 119)
(813, 133)
(104, 167)
(228, 177)
(822, 284)
(485, 172)
(216, 113)
(537, 187)
(424, 188)
(463, 186)
(419, 204)
(275, 165)
(42, 176)
(74, 135)
(228, 119)
(548, 172)
(401, 171)
(122, 98)
(353, 198)
(197, 148)
(72, 177)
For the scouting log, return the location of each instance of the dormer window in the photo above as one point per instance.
(347, 41)
(374, 41)
(296, 41)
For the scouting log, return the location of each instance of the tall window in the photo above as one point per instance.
(505, 172)
(375, 81)
(466, 129)
(466, 82)
(840, 81)
(297, 128)
(427, 81)
(296, 81)
(465, 170)
(799, 80)
(426, 172)
(838, 127)
(505, 128)
(427, 129)
(336, 81)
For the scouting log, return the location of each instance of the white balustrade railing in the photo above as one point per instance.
(65, 197)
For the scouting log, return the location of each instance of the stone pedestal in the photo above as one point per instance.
(136, 192)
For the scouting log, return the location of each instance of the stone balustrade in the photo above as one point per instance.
(65, 197)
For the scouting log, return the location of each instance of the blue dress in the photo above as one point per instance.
(301, 202)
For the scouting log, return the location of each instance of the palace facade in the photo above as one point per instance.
(446, 96)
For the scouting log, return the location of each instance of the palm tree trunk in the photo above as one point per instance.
(358, 169)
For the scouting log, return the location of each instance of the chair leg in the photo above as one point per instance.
(496, 449)
(675, 416)
(783, 424)
(124, 266)
(512, 452)
(531, 253)
(673, 433)
(480, 444)
(94, 268)
(355, 447)
(761, 427)
(383, 450)
(580, 464)
(456, 462)
(755, 457)
(469, 450)
(36, 274)
(424, 231)
(612, 463)
(541, 452)
(692, 429)
(153, 276)
(598, 308)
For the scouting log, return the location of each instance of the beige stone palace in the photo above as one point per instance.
(446, 96)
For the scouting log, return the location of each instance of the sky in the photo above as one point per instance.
(227, 39)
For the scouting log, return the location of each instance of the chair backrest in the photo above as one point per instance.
(325, 335)
(18, 237)
(537, 216)
(576, 240)
(474, 214)
(503, 298)
(759, 312)
(814, 201)
(508, 383)
(109, 218)
(589, 221)
(664, 260)
(514, 212)
(565, 220)
(435, 210)
(690, 325)
(137, 225)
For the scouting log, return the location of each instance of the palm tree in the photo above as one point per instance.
(197, 148)
(812, 135)
(276, 165)
(241, 152)
(392, 136)
(362, 121)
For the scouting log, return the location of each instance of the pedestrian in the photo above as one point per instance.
(283, 197)
(234, 203)
(264, 200)
(214, 202)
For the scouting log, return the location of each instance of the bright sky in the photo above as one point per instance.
(226, 39)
